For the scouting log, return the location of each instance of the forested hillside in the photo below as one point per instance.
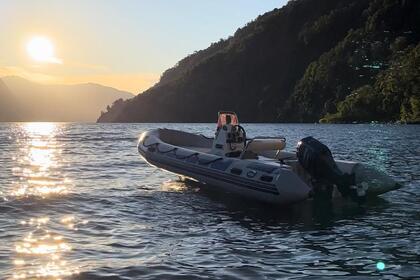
(328, 60)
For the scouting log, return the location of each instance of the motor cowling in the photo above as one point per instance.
(316, 158)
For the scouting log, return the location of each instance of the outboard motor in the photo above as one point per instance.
(317, 160)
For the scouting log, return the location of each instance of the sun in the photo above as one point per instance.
(41, 49)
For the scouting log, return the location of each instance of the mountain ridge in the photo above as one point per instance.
(31, 101)
(298, 63)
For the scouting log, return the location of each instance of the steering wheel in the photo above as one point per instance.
(238, 129)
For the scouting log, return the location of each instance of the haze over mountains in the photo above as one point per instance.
(328, 60)
(23, 100)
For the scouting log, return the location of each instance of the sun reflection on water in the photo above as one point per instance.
(174, 186)
(41, 253)
(40, 128)
(38, 164)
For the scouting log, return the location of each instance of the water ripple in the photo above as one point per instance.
(77, 202)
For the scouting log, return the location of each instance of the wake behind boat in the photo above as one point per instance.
(259, 167)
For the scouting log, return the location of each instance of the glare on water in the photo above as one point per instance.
(40, 128)
(38, 164)
(41, 251)
(77, 202)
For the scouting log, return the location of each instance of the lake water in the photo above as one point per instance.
(77, 202)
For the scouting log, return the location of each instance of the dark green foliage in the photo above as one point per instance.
(349, 70)
(395, 94)
(309, 59)
(361, 106)
(410, 110)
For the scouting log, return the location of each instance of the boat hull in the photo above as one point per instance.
(271, 183)
(264, 179)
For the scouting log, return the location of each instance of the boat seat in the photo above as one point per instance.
(269, 144)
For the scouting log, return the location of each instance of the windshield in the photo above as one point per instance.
(227, 118)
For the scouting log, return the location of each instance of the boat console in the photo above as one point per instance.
(231, 140)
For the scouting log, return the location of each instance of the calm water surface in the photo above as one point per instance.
(77, 202)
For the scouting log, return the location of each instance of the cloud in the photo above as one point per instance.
(88, 66)
(54, 60)
(29, 75)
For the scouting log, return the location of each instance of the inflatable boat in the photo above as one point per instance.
(259, 167)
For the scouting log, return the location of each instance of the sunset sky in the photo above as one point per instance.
(123, 44)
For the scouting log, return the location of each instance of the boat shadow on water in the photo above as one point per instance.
(309, 214)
